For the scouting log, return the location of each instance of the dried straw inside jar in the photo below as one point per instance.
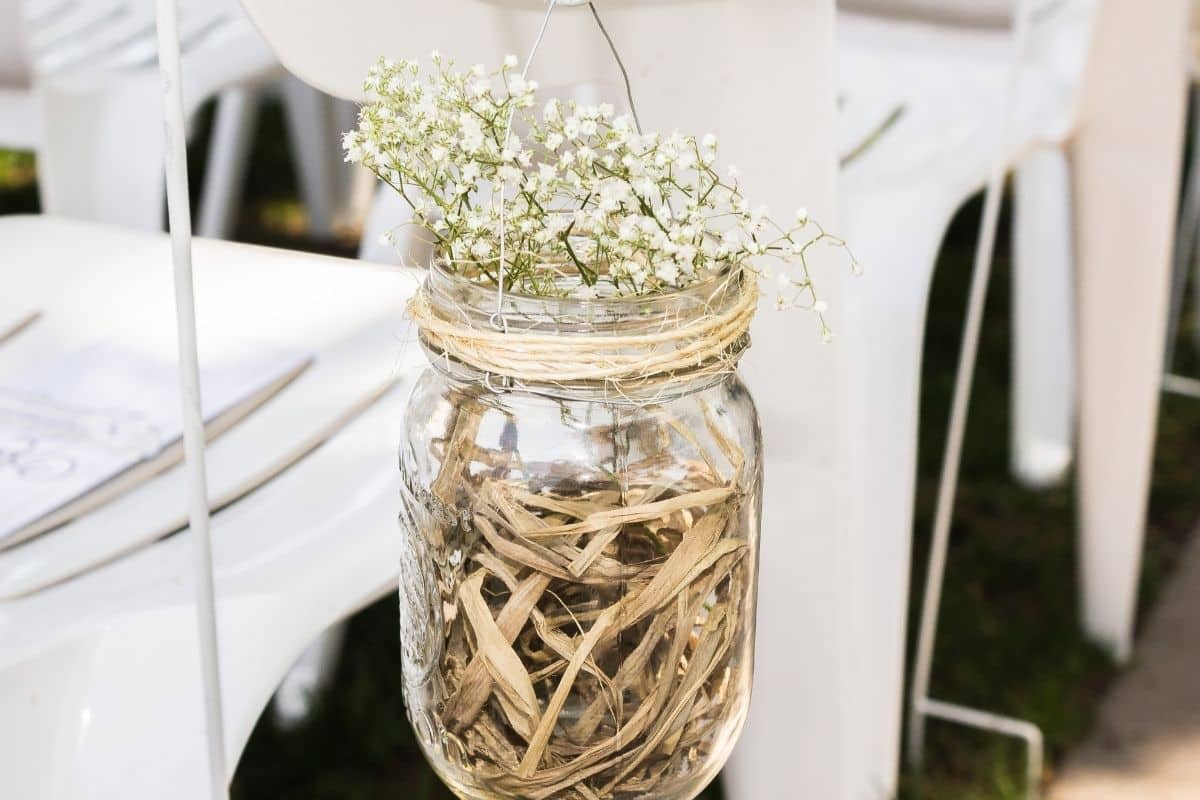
(592, 637)
(590, 647)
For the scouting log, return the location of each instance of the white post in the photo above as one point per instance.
(179, 219)
(1126, 156)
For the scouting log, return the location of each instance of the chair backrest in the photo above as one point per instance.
(776, 108)
(759, 74)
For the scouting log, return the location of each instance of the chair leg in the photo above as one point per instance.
(885, 358)
(1043, 368)
(315, 152)
(881, 327)
(228, 157)
(114, 174)
(1126, 163)
(1186, 261)
(311, 673)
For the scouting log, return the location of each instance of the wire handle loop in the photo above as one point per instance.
(497, 319)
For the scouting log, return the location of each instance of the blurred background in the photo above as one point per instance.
(1010, 638)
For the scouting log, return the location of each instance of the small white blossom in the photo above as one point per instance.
(667, 272)
(509, 174)
(651, 213)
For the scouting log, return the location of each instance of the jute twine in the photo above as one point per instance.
(691, 344)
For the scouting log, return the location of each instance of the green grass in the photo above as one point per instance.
(1009, 637)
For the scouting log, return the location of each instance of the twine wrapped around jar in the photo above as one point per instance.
(667, 345)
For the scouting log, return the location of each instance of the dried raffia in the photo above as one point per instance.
(656, 352)
(551, 693)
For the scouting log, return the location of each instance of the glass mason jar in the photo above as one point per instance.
(580, 560)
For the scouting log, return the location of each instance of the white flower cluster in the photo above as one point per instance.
(590, 203)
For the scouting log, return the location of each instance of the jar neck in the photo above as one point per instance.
(620, 315)
(454, 297)
(464, 376)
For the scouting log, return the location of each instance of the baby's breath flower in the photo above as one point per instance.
(582, 190)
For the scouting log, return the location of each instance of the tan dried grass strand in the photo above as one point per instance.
(503, 663)
(464, 707)
(697, 552)
(628, 515)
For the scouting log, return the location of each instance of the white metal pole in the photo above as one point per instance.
(179, 221)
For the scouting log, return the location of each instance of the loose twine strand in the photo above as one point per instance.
(497, 319)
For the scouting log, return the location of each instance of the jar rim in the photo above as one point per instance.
(616, 314)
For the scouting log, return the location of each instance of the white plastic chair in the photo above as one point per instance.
(899, 197)
(946, 84)
(86, 100)
(292, 559)
(1043, 364)
(99, 669)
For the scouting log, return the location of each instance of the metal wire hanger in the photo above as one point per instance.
(497, 319)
